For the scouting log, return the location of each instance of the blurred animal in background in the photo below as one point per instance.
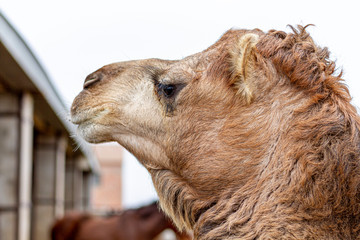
(253, 138)
(144, 223)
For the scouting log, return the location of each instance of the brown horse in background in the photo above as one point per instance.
(144, 223)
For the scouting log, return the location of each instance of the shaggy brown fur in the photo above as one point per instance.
(253, 138)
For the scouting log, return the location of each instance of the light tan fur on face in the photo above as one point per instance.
(140, 113)
(253, 138)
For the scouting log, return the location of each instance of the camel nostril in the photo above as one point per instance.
(92, 78)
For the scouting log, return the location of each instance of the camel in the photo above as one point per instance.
(144, 223)
(253, 138)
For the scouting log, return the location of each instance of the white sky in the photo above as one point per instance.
(72, 38)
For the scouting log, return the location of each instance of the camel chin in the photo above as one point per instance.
(91, 133)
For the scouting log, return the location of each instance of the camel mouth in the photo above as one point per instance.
(87, 116)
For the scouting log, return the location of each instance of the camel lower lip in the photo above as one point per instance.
(79, 120)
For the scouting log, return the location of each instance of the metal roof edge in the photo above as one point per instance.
(32, 67)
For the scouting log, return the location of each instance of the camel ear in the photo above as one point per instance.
(243, 60)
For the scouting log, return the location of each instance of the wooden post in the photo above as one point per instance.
(25, 167)
(60, 177)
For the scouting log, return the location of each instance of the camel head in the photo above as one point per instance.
(171, 114)
(215, 127)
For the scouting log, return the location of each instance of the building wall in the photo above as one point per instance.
(106, 195)
(34, 167)
(9, 165)
(35, 145)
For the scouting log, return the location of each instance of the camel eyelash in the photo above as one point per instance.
(154, 73)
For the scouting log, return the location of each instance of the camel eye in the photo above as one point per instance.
(167, 90)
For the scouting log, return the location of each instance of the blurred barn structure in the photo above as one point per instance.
(42, 171)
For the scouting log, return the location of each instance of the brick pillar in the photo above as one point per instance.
(48, 190)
